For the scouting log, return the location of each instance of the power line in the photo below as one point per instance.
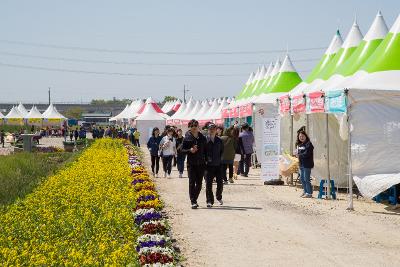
(121, 51)
(119, 73)
(68, 59)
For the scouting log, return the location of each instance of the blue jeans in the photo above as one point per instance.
(305, 178)
(180, 162)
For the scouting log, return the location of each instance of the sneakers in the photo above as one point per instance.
(165, 175)
(302, 195)
(209, 205)
(221, 202)
(307, 196)
(180, 175)
(226, 182)
(156, 175)
(231, 181)
(245, 175)
(195, 206)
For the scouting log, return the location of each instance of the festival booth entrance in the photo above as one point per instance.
(147, 120)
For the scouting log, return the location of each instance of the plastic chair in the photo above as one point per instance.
(322, 191)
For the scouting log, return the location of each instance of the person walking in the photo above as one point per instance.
(153, 145)
(136, 136)
(71, 134)
(238, 152)
(168, 151)
(247, 139)
(229, 154)
(305, 153)
(180, 159)
(76, 134)
(214, 150)
(2, 137)
(194, 146)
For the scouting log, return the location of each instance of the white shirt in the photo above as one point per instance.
(169, 146)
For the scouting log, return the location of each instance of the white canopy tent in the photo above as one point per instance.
(34, 117)
(147, 120)
(52, 117)
(22, 109)
(14, 117)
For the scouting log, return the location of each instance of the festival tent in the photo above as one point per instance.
(352, 41)
(259, 81)
(202, 111)
(174, 108)
(247, 85)
(14, 117)
(334, 46)
(22, 109)
(285, 79)
(52, 117)
(149, 118)
(34, 117)
(175, 118)
(216, 116)
(180, 115)
(167, 106)
(374, 118)
(191, 113)
(265, 80)
(120, 115)
(207, 116)
(371, 41)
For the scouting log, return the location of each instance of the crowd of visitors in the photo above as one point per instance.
(209, 153)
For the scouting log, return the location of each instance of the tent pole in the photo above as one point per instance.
(350, 200)
(328, 187)
(291, 143)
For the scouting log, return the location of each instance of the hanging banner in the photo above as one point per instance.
(35, 120)
(225, 113)
(270, 148)
(169, 122)
(219, 121)
(246, 110)
(315, 102)
(298, 104)
(234, 112)
(335, 102)
(15, 121)
(284, 104)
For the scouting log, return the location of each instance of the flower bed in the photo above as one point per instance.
(81, 216)
(153, 245)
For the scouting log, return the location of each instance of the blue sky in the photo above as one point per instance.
(163, 26)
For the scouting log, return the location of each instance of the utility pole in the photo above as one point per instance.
(184, 93)
(49, 96)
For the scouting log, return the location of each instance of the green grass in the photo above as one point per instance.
(21, 173)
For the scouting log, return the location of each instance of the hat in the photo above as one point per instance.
(212, 125)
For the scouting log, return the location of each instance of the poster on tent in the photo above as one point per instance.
(284, 104)
(298, 104)
(246, 110)
(270, 148)
(336, 102)
(315, 102)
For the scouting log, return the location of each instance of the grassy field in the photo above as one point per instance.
(21, 173)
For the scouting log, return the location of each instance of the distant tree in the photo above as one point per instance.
(74, 112)
(169, 98)
(114, 101)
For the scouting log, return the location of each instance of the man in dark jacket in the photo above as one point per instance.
(214, 151)
(247, 139)
(194, 146)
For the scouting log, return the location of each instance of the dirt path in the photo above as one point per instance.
(271, 226)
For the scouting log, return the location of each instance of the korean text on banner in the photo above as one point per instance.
(284, 104)
(270, 149)
(315, 102)
(335, 102)
(246, 110)
(298, 104)
(225, 113)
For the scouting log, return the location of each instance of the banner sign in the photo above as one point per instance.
(169, 122)
(18, 121)
(246, 110)
(225, 113)
(219, 121)
(335, 102)
(34, 120)
(270, 148)
(234, 112)
(298, 104)
(315, 102)
(284, 104)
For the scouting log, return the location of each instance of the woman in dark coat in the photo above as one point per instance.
(153, 145)
(305, 153)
